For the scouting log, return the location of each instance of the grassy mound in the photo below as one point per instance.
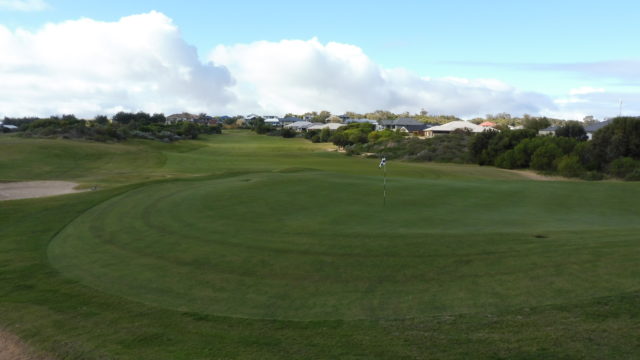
(318, 245)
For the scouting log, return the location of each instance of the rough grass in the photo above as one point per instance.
(528, 270)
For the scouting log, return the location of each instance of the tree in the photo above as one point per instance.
(572, 129)
(321, 117)
(545, 157)
(101, 120)
(570, 166)
(621, 138)
(158, 118)
(536, 124)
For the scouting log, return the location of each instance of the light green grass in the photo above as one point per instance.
(209, 250)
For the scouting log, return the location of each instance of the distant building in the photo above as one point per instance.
(452, 126)
(330, 126)
(299, 125)
(177, 118)
(591, 129)
(551, 130)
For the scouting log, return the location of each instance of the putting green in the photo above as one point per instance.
(315, 245)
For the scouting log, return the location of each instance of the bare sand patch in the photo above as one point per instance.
(12, 348)
(531, 175)
(35, 189)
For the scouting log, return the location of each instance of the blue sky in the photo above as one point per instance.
(556, 48)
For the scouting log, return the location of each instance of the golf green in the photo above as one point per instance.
(316, 245)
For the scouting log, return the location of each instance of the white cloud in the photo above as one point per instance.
(298, 76)
(585, 90)
(23, 5)
(89, 67)
(141, 62)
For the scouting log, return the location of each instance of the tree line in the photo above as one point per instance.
(122, 126)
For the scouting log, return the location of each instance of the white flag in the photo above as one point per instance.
(383, 162)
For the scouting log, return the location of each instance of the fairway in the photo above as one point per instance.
(319, 245)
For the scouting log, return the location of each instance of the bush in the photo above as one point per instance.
(545, 157)
(288, 133)
(633, 175)
(570, 166)
(507, 160)
(623, 167)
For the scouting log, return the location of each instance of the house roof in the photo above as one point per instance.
(551, 128)
(182, 116)
(330, 126)
(289, 119)
(488, 123)
(597, 126)
(12, 127)
(299, 125)
(349, 121)
(458, 124)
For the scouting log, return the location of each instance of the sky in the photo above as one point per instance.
(565, 59)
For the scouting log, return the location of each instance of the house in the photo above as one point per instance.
(452, 126)
(363, 121)
(272, 122)
(176, 118)
(551, 130)
(406, 125)
(287, 120)
(299, 125)
(330, 126)
(591, 129)
(7, 128)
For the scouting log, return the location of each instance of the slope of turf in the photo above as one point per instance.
(474, 232)
(320, 245)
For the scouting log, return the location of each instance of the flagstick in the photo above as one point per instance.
(384, 201)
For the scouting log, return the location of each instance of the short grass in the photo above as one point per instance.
(257, 247)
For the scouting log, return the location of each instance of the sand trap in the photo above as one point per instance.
(35, 189)
(11, 348)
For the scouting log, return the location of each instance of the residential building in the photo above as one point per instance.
(452, 126)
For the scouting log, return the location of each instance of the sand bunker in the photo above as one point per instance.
(35, 189)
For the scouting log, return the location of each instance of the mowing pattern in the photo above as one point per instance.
(317, 245)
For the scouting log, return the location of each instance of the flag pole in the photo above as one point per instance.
(384, 201)
(383, 165)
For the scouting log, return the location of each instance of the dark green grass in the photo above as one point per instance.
(318, 246)
(469, 230)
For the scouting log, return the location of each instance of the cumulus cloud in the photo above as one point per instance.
(299, 76)
(23, 5)
(89, 67)
(141, 62)
(601, 104)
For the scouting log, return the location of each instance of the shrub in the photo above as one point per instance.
(623, 167)
(288, 133)
(570, 166)
(507, 160)
(545, 157)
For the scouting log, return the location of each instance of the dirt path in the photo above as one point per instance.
(35, 189)
(12, 348)
(535, 176)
